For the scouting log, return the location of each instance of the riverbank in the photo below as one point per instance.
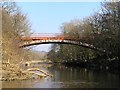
(12, 72)
(103, 65)
(69, 77)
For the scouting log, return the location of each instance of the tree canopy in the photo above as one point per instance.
(101, 29)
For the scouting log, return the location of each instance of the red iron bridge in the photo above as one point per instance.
(56, 38)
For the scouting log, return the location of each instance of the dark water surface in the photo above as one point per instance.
(64, 77)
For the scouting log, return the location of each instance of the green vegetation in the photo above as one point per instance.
(102, 30)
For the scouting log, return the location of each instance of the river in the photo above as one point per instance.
(68, 77)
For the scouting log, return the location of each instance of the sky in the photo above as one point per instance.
(47, 17)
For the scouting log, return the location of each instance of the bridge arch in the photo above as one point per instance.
(28, 43)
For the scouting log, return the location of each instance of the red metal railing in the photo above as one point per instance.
(49, 36)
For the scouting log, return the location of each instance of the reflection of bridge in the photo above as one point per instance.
(55, 38)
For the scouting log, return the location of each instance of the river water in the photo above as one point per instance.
(64, 77)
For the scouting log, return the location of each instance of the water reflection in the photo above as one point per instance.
(65, 77)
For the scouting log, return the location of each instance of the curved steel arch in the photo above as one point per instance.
(38, 42)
